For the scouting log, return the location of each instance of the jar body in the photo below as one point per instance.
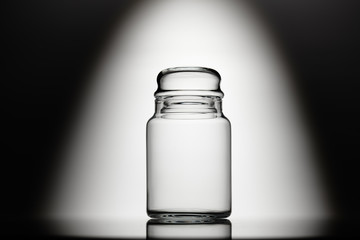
(188, 159)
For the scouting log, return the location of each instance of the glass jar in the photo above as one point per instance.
(188, 147)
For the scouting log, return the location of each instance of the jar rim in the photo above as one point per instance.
(210, 87)
(187, 69)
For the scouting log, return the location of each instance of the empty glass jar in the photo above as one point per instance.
(188, 147)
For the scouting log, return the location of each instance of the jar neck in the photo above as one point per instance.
(188, 107)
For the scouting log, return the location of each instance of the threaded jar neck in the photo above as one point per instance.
(188, 107)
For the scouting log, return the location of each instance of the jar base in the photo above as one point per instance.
(187, 217)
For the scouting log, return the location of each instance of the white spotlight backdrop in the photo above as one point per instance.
(103, 171)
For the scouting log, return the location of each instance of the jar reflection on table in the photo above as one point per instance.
(218, 229)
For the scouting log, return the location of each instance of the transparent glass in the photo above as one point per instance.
(188, 148)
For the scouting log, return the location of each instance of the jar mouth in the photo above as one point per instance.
(189, 81)
(188, 69)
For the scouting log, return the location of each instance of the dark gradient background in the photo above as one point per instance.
(50, 47)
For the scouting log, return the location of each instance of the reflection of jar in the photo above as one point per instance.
(188, 147)
(218, 229)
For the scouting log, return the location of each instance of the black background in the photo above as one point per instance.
(49, 47)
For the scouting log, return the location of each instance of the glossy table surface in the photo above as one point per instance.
(153, 229)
